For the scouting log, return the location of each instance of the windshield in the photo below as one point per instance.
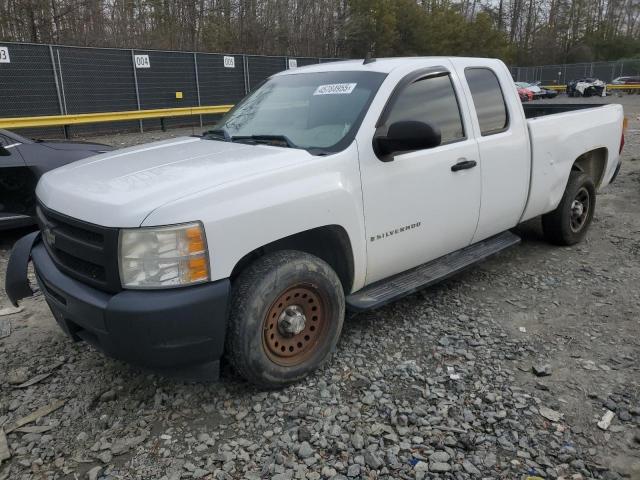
(319, 112)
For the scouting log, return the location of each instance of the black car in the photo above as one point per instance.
(22, 163)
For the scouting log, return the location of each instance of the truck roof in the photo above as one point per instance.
(383, 65)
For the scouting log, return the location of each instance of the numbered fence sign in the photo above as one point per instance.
(229, 62)
(293, 63)
(142, 61)
(4, 55)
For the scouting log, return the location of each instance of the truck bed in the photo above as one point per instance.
(561, 133)
(543, 109)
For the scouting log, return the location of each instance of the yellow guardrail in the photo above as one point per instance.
(609, 87)
(623, 87)
(85, 118)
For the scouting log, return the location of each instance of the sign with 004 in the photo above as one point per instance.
(142, 61)
(4, 55)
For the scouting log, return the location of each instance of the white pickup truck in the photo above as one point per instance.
(341, 185)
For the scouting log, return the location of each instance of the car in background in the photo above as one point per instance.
(586, 87)
(626, 81)
(525, 94)
(545, 92)
(534, 89)
(23, 162)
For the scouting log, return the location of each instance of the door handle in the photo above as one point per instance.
(463, 164)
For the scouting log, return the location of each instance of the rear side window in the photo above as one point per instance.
(431, 100)
(488, 100)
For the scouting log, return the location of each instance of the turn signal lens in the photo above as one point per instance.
(195, 237)
(163, 257)
(198, 269)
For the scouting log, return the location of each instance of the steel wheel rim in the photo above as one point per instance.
(286, 348)
(580, 208)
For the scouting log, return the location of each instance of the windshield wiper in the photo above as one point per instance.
(220, 133)
(267, 139)
(223, 134)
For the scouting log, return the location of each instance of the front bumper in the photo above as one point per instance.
(153, 328)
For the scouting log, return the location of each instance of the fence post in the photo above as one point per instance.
(247, 79)
(135, 80)
(195, 66)
(64, 97)
(55, 77)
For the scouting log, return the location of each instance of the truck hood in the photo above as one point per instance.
(121, 188)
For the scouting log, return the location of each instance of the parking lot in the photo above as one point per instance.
(501, 372)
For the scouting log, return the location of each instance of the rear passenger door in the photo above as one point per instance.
(503, 143)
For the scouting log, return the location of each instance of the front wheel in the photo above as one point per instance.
(287, 311)
(569, 222)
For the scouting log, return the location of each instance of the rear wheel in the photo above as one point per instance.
(569, 222)
(287, 312)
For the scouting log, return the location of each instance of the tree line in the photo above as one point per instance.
(521, 32)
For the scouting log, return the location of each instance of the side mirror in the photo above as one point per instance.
(4, 152)
(406, 136)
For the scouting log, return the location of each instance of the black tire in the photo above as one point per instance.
(303, 283)
(568, 224)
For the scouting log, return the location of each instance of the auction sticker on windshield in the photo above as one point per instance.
(335, 89)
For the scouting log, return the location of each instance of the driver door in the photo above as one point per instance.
(417, 208)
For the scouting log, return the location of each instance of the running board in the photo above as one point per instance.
(427, 274)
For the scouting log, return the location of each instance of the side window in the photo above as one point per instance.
(4, 141)
(431, 100)
(488, 100)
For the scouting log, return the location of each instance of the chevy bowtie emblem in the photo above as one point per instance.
(49, 236)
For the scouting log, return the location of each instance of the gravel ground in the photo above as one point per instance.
(438, 385)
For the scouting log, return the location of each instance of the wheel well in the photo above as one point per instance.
(593, 164)
(330, 243)
(17, 190)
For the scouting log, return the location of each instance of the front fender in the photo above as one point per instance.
(245, 215)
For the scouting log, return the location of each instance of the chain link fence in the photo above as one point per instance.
(561, 74)
(40, 80)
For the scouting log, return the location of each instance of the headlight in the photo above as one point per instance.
(163, 257)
